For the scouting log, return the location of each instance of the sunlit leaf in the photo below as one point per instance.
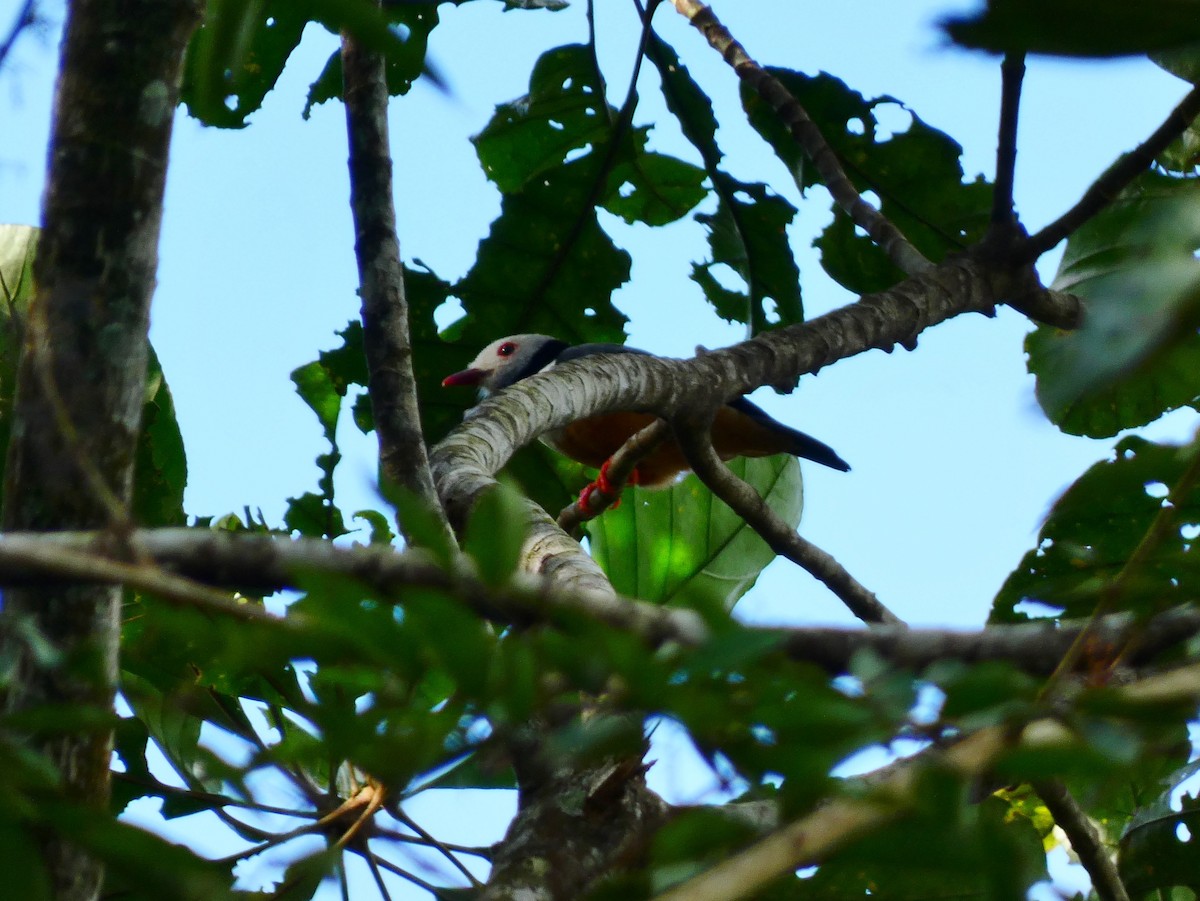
(683, 546)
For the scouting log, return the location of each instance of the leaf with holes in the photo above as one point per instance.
(1093, 529)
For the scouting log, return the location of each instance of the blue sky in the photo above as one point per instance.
(954, 465)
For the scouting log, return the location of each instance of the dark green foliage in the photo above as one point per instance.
(1095, 527)
(916, 174)
(1078, 27)
(1137, 355)
(1157, 846)
(747, 233)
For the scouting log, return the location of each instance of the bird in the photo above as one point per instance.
(740, 428)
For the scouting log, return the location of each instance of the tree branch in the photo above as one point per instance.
(1086, 840)
(392, 387)
(1106, 188)
(806, 134)
(25, 17)
(1012, 72)
(260, 564)
(619, 469)
(464, 462)
(778, 535)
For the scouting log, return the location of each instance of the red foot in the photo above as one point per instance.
(603, 483)
(585, 497)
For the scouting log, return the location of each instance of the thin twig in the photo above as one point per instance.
(778, 535)
(25, 18)
(1086, 840)
(808, 136)
(1109, 185)
(432, 842)
(618, 472)
(482, 851)
(1012, 72)
(372, 862)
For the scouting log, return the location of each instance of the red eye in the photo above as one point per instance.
(506, 349)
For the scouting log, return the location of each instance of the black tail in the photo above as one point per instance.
(799, 444)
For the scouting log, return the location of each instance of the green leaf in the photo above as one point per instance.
(916, 173)
(1100, 28)
(175, 731)
(495, 534)
(683, 546)
(1094, 528)
(748, 233)
(423, 525)
(1155, 854)
(237, 55)
(404, 62)
(563, 111)
(316, 388)
(653, 188)
(25, 875)
(1137, 354)
(315, 516)
(160, 468)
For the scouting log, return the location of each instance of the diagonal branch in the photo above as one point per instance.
(805, 132)
(778, 535)
(617, 473)
(1086, 840)
(385, 316)
(1106, 188)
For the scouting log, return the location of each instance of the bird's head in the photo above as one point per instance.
(508, 360)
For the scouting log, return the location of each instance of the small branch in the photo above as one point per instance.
(1012, 72)
(778, 535)
(221, 559)
(620, 468)
(1106, 188)
(806, 134)
(1086, 840)
(386, 336)
(26, 16)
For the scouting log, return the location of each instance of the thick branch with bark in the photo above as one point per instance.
(81, 381)
(261, 564)
(465, 461)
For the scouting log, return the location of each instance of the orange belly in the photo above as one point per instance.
(593, 440)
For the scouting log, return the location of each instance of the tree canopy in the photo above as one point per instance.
(307, 681)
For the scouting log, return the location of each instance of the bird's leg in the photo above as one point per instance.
(603, 485)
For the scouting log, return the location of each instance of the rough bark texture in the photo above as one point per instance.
(81, 381)
(386, 337)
